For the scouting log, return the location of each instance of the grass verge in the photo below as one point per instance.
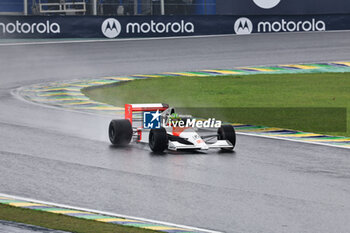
(280, 100)
(62, 222)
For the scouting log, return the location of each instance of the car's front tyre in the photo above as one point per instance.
(227, 132)
(120, 132)
(158, 140)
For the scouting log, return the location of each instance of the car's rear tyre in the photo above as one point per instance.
(227, 132)
(158, 140)
(120, 132)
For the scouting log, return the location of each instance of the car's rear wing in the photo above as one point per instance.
(131, 109)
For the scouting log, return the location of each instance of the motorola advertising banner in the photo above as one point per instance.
(162, 26)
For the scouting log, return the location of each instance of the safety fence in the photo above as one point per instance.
(174, 7)
(108, 7)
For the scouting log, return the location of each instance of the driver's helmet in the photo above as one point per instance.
(174, 117)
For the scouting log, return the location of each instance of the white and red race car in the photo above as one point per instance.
(162, 128)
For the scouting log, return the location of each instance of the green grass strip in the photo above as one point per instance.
(307, 90)
(63, 222)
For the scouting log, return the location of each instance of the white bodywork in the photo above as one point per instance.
(190, 135)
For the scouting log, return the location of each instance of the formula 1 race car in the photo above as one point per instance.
(162, 128)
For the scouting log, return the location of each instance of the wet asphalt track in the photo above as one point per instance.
(265, 186)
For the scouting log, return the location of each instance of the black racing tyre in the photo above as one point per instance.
(120, 132)
(227, 132)
(158, 140)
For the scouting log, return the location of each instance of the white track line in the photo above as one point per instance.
(292, 140)
(71, 41)
(15, 94)
(109, 213)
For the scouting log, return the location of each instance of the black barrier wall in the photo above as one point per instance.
(136, 27)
